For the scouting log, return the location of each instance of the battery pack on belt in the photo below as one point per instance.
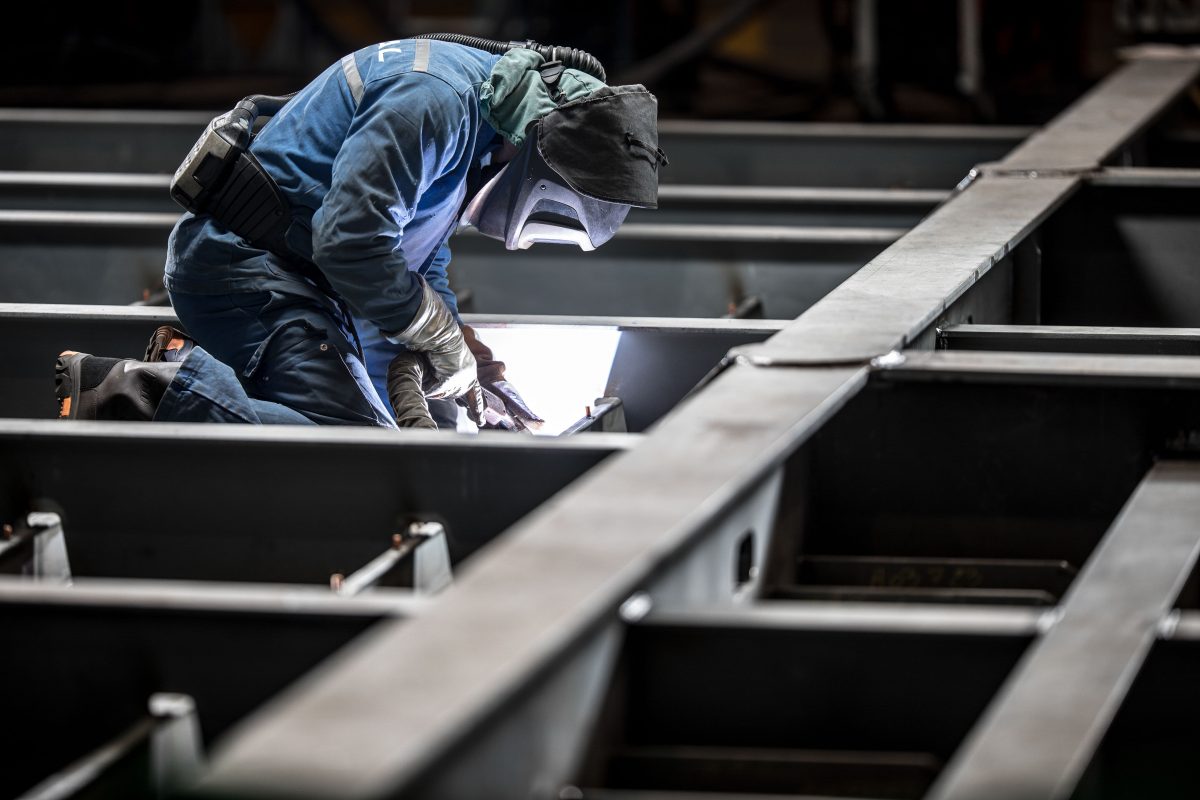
(222, 178)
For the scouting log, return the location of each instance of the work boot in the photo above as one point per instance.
(95, 387)
(169, 344)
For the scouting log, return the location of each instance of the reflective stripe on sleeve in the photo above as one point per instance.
(350, 67)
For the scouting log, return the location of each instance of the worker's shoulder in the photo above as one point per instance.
(424, 65)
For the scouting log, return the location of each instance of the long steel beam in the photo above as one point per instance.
(524, 620)
(700, 152)
(1048, 368)
(647, 270)
(846, 155)
(653, 363)
(275, 501)
(721, 205)
(1095, 130)
(1071, 339)
(913, 284)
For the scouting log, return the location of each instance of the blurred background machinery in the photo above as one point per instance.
(997, 61)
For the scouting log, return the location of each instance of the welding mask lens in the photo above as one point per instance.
(528, 202)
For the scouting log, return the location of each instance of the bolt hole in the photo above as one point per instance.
(745, 568)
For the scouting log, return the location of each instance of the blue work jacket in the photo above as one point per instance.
(373, 158)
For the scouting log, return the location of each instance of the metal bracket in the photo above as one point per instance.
(171, 731)
(418, 559)
(37, 549)
(607, 415)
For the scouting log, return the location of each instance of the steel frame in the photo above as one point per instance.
(737, 153)
(665, 558)
(656, 364)
(501, 652)
(656, 270)
(689, 203)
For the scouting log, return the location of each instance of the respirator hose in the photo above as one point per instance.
(569, 56)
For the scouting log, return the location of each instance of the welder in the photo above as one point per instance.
(314, 251)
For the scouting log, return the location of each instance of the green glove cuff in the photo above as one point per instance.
(515, 95)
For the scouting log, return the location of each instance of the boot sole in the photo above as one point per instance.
(66, 383)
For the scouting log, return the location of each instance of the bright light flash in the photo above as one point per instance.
(560, 370)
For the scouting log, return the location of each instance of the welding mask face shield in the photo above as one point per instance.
(577, 173)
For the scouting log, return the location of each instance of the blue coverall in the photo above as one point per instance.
(373, 158)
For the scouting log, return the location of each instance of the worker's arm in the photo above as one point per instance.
(393, 151)
(505, 408)
(397, 145)
(436, 277)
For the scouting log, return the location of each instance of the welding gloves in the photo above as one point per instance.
(505, 408)
(434, 332)
(406, 382)
(453, 363)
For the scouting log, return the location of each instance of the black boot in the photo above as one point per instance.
(168, 344)
(95, 387)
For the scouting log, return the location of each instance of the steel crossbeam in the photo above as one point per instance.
(701, 152)
(692, 203)
(647, 270)
(1071, 339)
(652, 363)
(277, 492)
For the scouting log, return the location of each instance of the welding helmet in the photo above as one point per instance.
(579, 170)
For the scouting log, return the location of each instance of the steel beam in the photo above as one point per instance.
(332, 502)
(710, 205)
(1071, 339)
(792, 205)
(1093, 131)
(1041, 730)
(845, 155)
(907, 288)
(913, 283)
(701, 152)
(1145, 178)
(1056, 369)
(101, 141)
(86, 191)
(656, 362)
(647, 270)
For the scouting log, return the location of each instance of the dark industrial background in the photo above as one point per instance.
(743, 59)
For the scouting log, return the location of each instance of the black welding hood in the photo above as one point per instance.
(578, 172)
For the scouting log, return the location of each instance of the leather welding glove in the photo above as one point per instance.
(501, 397)
(434, 332)
(406, 381)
